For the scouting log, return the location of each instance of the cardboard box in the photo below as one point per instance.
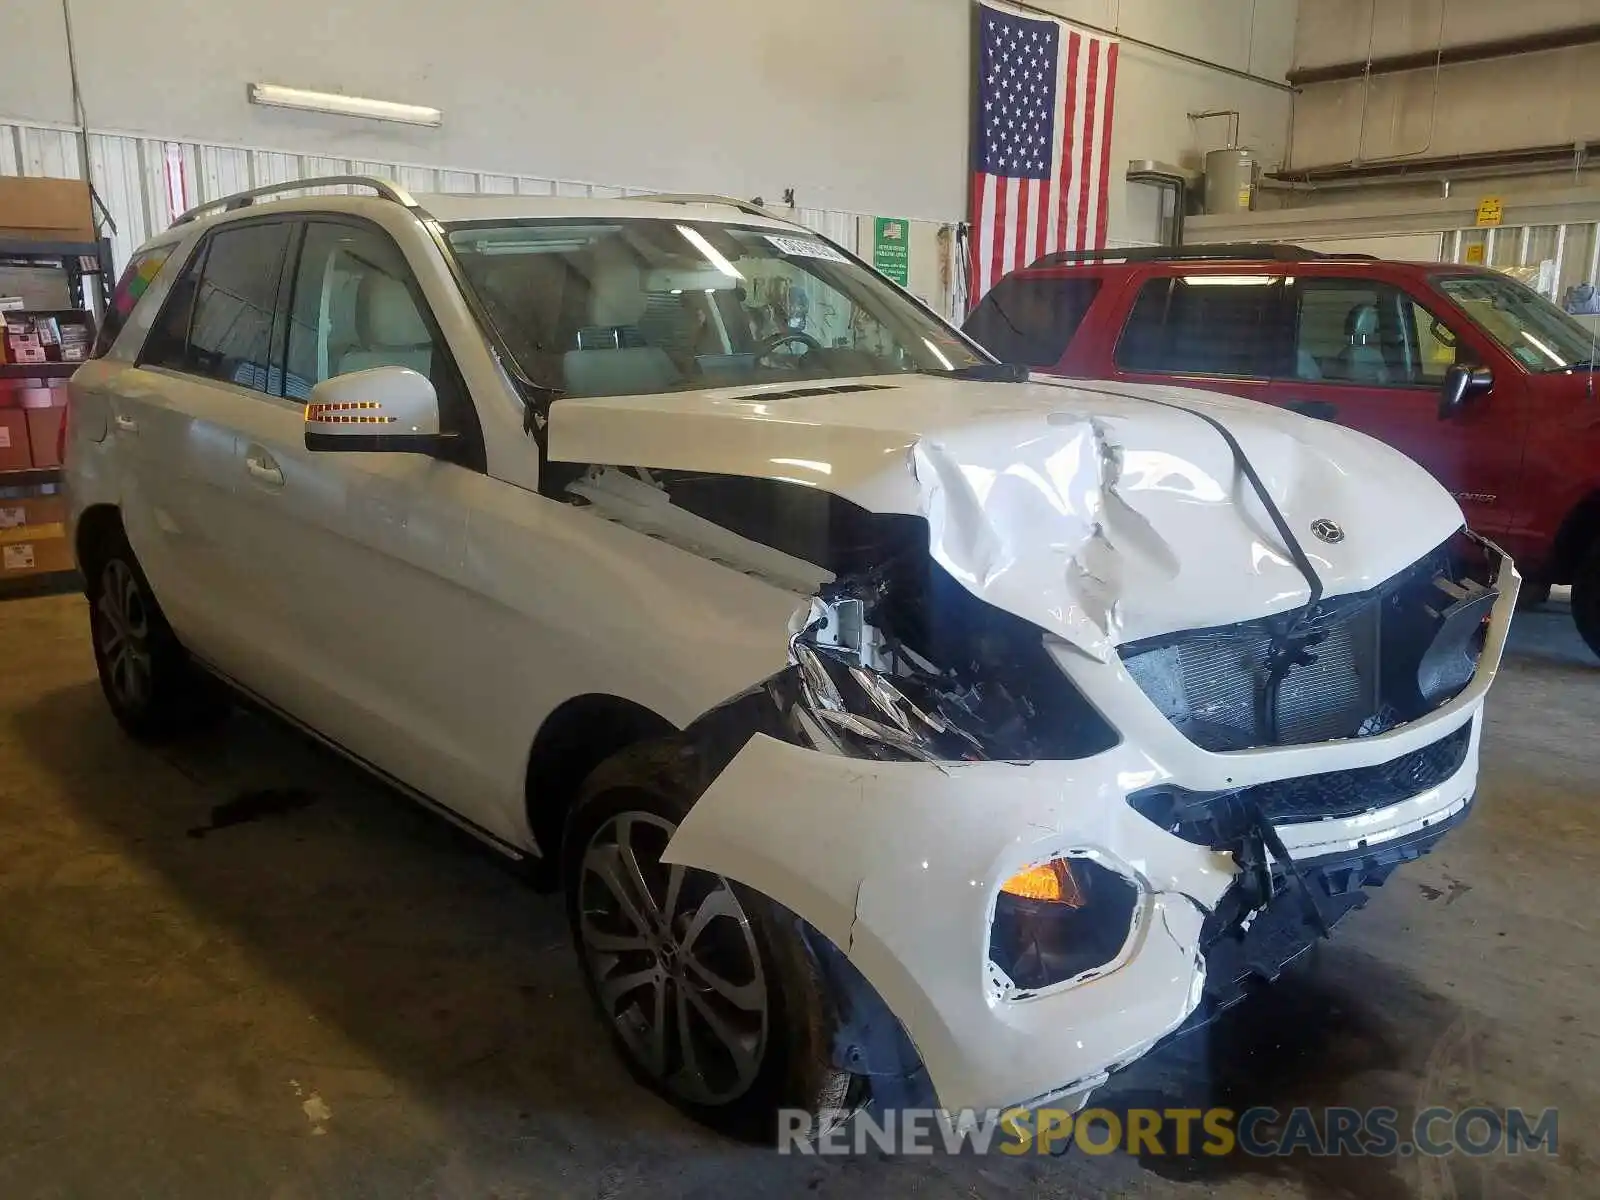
(40, 393)
(45, 210)
(29, 555)
(45, 516)
(23, 348)
(44, 434)
(15, 452)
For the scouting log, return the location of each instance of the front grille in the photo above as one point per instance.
(1351, 667)
(1220, 818)
(1337, 794)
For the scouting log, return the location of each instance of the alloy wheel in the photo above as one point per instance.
(124, 635)
(674, 962)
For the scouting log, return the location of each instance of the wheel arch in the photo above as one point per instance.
(1579, 530)
(99, 527)
(579, 735)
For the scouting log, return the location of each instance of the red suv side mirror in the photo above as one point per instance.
(1462, 383)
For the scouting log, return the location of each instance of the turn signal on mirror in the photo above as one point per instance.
(1052, 882)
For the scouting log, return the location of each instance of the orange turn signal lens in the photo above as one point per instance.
(1052, 882)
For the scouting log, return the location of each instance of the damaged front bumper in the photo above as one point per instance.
(899, 864)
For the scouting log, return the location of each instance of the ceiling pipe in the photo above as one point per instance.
(1529, 160)
(1366, 94)
(1449, 56)
(1233, 122)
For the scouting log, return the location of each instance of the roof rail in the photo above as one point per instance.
(1236, 252)
(744, 206)
(385, 188)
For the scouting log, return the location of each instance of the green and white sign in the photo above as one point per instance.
(891, 248)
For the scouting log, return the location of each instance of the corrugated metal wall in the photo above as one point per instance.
(142, 181)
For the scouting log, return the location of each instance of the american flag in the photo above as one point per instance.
(1042, 147)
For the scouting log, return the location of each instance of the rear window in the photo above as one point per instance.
(1207, 325)
(137, 277)
(1030, 320)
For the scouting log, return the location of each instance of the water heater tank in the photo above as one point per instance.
(1230, 181)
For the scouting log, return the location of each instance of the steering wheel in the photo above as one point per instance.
(783, 337)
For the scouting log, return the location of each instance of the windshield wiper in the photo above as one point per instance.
(995, 372)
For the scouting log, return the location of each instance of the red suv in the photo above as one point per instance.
(1481, 380)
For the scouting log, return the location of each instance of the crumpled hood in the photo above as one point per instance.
(1082, 507)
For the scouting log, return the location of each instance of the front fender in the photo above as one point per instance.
(899, 865)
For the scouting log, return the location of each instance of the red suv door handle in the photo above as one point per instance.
(1322, 410)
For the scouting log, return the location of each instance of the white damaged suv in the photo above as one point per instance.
(901, 729)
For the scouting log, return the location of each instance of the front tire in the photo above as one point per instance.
(155, 692)
(1586, 598)
(710, 995)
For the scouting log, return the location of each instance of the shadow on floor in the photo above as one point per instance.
(1547, 634)
(396, 930)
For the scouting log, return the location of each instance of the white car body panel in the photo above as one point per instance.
(1096, 515)
(428, 619)
(900, 864)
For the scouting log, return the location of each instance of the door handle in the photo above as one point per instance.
(125, 424)
(262, 468)
(1322, 410)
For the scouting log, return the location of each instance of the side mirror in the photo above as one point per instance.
(387, 409)
(1462, 383)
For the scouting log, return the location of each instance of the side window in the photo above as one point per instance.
(230, 328)
(356, 306)
(1438, 346)
(1361, 331)
(1031, 321)
(1206, 325)
(137, 277)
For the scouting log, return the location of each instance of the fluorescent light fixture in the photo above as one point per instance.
(276, 96)
(713, 255)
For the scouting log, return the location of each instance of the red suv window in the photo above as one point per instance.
(1206, 325)
(1031, 321)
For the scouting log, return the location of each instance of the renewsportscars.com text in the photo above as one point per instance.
(1180, 1132)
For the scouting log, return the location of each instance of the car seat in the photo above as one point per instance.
(1362, 360)
(611, 358)
(390, 332)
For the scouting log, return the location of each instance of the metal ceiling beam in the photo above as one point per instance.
(1450, 56)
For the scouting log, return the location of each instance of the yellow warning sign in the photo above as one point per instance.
(1475, 254)
(1489, 210)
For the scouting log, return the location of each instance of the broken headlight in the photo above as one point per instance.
(1057, 921)
(997, 694)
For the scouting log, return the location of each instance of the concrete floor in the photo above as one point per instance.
(240, 969)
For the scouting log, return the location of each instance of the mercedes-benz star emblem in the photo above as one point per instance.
(1327, 531)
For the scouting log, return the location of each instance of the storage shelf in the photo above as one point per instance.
(48, 370)
(30, 477)
(45, 583)
(23, 248)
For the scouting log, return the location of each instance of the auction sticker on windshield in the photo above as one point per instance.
(805, 248)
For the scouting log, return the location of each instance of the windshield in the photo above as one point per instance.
(1533, 331)
(640, 305)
